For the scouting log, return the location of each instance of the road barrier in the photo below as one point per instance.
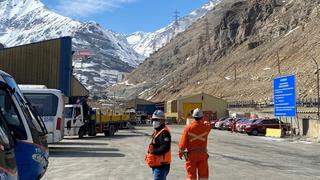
(277, 133)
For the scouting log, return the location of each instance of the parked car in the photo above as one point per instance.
(241, 124)
(220, 124)
(213, 122)
(227, 125)
(260, 126)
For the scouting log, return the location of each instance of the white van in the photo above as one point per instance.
(50, 105)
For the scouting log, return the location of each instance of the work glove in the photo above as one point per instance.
(180, 154)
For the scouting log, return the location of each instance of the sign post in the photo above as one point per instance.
(285, 97)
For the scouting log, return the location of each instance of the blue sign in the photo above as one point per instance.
(284, 96)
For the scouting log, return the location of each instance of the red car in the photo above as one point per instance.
(260, 126)
(241, 124)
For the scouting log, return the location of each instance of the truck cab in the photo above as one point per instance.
(74, 120)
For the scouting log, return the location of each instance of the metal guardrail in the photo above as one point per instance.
(305, 102)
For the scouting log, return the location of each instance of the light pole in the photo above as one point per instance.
(318, 88)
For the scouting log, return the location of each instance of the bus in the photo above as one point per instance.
(30, 135)
(50, 105)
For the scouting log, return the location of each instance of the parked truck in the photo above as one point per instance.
(79, 124)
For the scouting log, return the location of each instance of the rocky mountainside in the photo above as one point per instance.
(233, 53)
(26, 21)
(147, 43)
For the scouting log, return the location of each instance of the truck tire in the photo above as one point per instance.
(81, 133)
(112, 130)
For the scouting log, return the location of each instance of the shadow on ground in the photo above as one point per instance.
(84, 152)
(81, 143)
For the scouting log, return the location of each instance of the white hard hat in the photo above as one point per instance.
(158, 114)
(197, 113)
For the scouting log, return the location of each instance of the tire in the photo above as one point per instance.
(283, 132)
(112, 130)
(255, 132)
(81, 133)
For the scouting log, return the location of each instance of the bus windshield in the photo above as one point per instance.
(25, 106)
(11, 115)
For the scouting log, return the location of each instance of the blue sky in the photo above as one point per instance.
(125, 16)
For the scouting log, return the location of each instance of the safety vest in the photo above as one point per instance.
(153, 160)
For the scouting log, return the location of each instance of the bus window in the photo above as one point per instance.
(46, 104)
(9, 112)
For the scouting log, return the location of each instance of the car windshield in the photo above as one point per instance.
(46, 104)
(257, 121)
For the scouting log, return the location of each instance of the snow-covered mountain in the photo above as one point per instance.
(147, 43)
(27, 21)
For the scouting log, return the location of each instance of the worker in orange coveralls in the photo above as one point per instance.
(193, 146)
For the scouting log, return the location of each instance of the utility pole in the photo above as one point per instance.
(207, 35)
(114, 103)
(176, 20)
(279, 63)
(200, 45)
(235, 72)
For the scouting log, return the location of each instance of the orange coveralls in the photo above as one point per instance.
(194, 139)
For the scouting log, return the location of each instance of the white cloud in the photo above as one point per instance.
(85, 8)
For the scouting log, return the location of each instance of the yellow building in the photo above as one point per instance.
(181, 108)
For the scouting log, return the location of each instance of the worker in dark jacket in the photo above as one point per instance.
(159, 151)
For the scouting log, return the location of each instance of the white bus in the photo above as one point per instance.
(50, 105)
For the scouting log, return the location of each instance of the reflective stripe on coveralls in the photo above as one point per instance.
(194, 139)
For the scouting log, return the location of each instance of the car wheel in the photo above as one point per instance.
(283, 132)
(255, 132)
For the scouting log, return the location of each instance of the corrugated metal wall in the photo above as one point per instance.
(40, 63)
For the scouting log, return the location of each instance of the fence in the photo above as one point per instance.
(303, 102)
